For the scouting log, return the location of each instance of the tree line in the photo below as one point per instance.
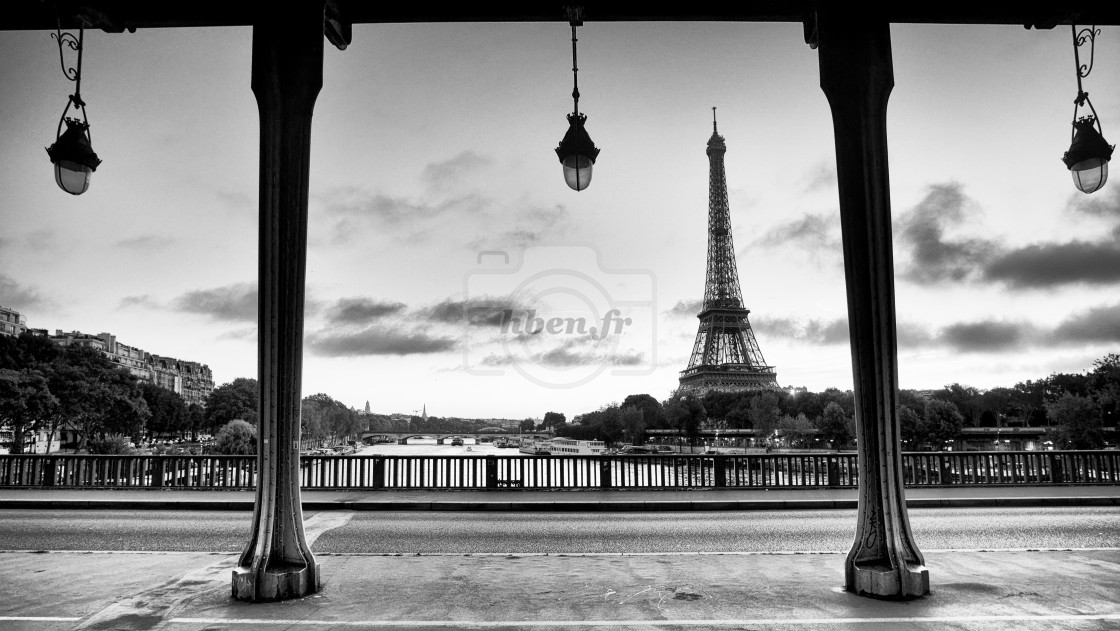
(1074, 407)
(44, 386)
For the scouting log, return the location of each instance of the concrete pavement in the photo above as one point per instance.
(1000, 589)
(583, 500)
(1017, 590)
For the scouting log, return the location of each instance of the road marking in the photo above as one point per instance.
(490, 624)
(323, 521)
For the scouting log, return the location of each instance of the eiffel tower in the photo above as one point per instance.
(725, 356)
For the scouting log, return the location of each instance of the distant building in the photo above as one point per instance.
(11, 322)
(191, 380)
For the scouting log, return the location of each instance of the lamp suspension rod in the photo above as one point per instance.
(1079, 39)
(1077, 63)
(575, 73)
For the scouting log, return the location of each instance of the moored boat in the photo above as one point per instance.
(570, 447)
(535, 447)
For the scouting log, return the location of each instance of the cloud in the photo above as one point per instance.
(935, 258)
(686, 308)
(232, 303)
(481, 311)
(1098, 324)
(570, 353)
(822, 177)
(912, 335)
(377, 340)
(1050, 264)
(440, 176)
(809, 231)
(531, 226)
(353, 213)
(361, 310)
(240, 200)
(146, 242)
(145, 301)
(14, 295)
(810, 331)
(1106, 205)
(987, 336)
(354, 202)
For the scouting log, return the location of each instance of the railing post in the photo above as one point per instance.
(605, 480)
(833, 471)
(491, 472)
(1057, 472)
(946, 468)
(378, 480)
(718, 464)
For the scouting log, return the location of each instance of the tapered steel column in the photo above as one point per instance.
(857, 77)
(287, 76)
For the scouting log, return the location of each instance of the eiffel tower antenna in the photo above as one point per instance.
(725, 356)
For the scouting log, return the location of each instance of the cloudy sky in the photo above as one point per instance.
(440, 226)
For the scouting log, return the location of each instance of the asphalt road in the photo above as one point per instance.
(557, 533)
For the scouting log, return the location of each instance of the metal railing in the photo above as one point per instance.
(662, 471)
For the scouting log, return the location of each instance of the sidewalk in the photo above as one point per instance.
(584, 500)
(1020, 591)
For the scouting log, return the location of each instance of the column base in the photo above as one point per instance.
(275, 583)
(882, 581)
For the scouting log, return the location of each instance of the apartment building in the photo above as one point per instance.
(191, 380)
(11, 322)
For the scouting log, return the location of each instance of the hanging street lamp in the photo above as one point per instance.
(1089, 153)
(72, 152)
(576, 151)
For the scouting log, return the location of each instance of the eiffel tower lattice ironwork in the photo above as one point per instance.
(725, 356)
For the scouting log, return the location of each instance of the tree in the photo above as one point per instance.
(1106, 388)
(632, 420)
(1077, 422)
(835, 426)
(653, 415)
(236, 438)
(686, 412)
(99, 397)
(196, 419)
(169, 411)
(25, 403)
(323, 417)
(234, 400)
(528, 425)
(910, 426)
(553, 420)
(966, 399)
(112, 444)
(764, 414)
(795, 428)
(941, 422)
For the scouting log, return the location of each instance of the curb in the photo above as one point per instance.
(557, 506)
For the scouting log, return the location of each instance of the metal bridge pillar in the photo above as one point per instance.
(287, 74)
(857, 76)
